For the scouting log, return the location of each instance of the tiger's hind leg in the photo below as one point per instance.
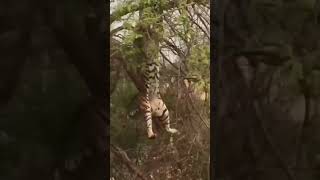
(145, 107)
(165, 120)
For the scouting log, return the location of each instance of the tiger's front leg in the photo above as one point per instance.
(145, 108)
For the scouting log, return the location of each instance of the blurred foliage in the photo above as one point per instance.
(280, 40)
(40, 128)
(44, 108)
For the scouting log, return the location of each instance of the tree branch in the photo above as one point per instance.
(202, 21)
(165, 58)
(282, 162)
(175, 48)
(134, 76)
(174, 29)
(112, 32)
(122, 155)
(117, 14)
(197, 112)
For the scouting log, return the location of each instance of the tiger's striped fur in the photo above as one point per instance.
(151, 103)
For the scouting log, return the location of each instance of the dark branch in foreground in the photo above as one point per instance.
(122, 155)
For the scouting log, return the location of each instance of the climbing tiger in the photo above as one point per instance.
(151, 103)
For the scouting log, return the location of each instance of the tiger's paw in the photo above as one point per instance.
(152, 136)
(173, 131)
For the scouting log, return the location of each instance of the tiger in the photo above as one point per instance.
(151, 103)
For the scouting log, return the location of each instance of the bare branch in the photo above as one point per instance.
(174, 29)
(203, 20)
(133, 75)
(122, 155)
(175, 48)
(116, 30)
(195, 110)
(165, 58)
(197, 24)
